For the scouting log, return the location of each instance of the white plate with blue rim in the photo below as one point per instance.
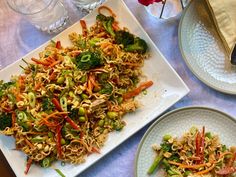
(203, 50)
(176, 123)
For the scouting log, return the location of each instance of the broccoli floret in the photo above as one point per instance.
(124, 37)
(5, 121)
(4, 86)
(73, 113)
(107, 23)
(106, 88)
(139, 46)
(47, 104)
(166, 147)
(103, 77)
(68, 130)
(175, 157)
(88, 60)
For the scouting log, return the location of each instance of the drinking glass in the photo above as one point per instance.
(87, 5)
(46, 15)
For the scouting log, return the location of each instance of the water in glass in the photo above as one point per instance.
(46, 15)
(87, 4)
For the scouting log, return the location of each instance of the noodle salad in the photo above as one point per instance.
(196, 154)
(65, 102)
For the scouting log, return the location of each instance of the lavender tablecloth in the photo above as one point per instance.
(18, 37)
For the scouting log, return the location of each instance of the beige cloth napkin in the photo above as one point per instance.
(224, 15)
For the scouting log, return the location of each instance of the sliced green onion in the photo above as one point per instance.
(85, 58)
(22, 116)
(32, 99)
(59, 172)
(63, 102)
(46, 162)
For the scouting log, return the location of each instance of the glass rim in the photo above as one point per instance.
(23, 13)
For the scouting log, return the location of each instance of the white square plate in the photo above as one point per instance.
(168, 88)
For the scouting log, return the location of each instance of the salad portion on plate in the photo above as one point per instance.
(191, 141)
(195, 153)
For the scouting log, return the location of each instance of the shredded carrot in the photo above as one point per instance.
(206, 170)
(106, 8)
(194, 158)
(225, 153)
(37, 86)
(231, 161)
(58, 45)
(106, 45)
(58, 142)
(95, 149)
(89, 86)
(44, 63)
(84, 27)
(52, 76)
(49, 124)
(193, 166)
(13, 119)
(50, 60)
(138, 90)
(37, 133)
(131, 64)
(115, 26)
(75, 53)
(53, 115)
(55, 63)
(29, 143)
(28, 165)
(21, 82)
(17, 94)
(202, 144)
(93, 81)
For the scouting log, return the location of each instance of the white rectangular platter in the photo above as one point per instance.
(168, 88)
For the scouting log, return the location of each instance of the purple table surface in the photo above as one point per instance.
(18, 37)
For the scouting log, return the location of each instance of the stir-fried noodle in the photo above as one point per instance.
(196, 154)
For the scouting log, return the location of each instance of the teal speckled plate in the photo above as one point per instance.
(177, 123)
(203, 50)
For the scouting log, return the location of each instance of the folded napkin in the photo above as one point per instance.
(224, 16)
